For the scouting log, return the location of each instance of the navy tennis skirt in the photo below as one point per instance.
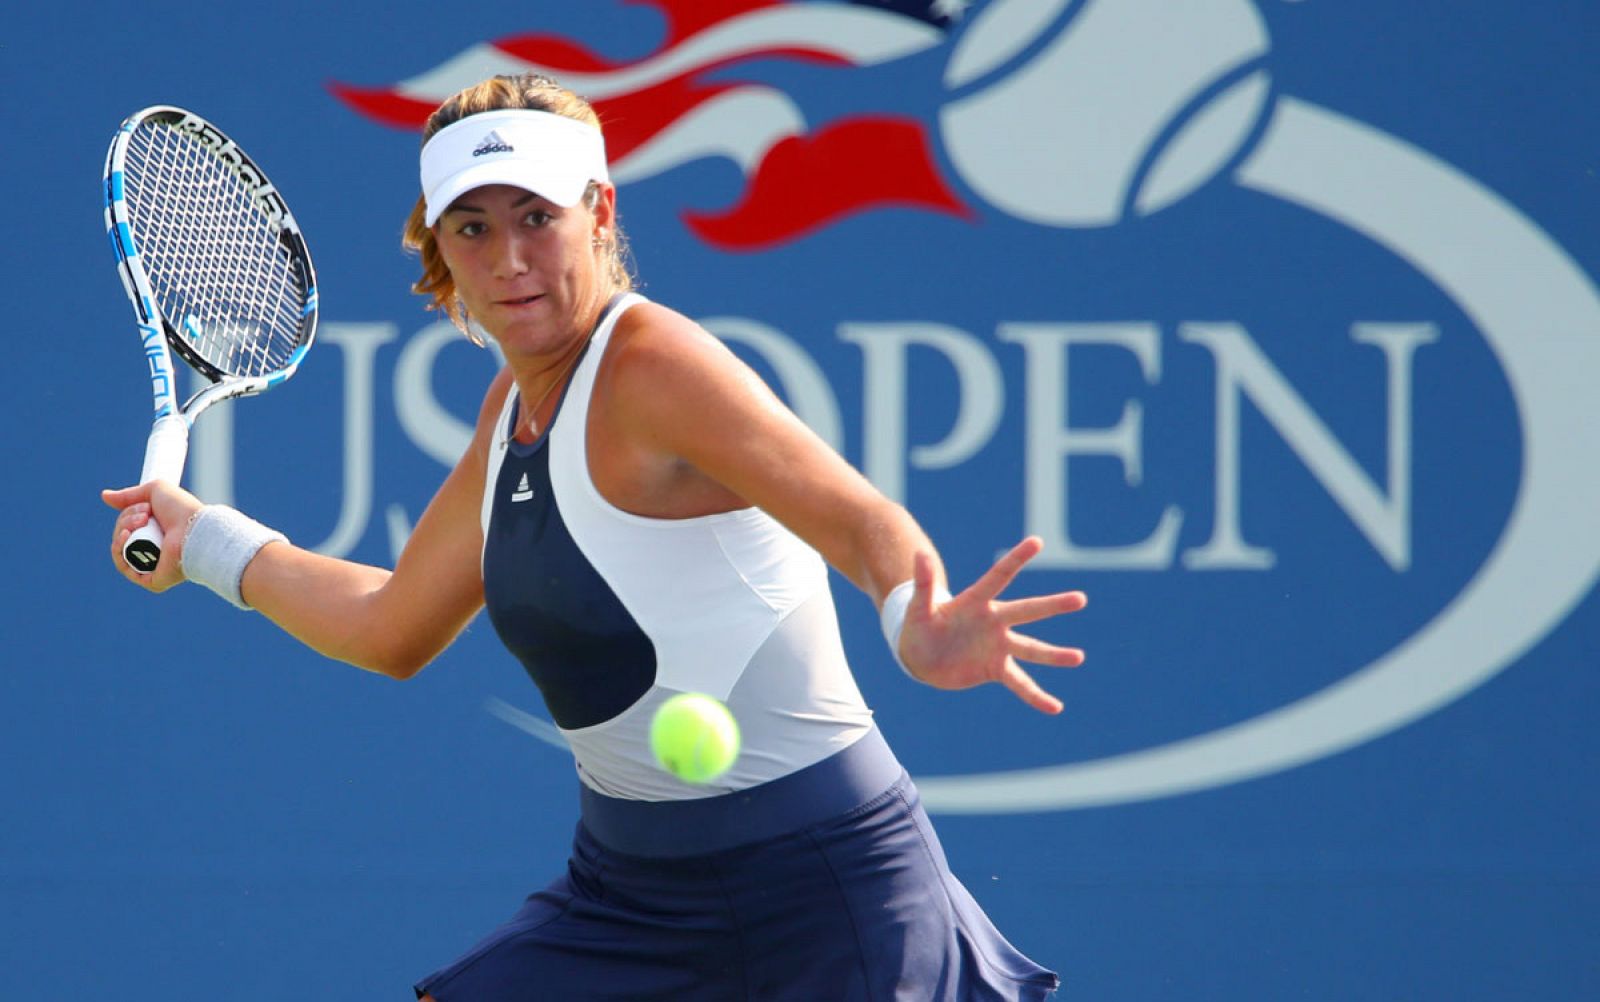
(827, 885)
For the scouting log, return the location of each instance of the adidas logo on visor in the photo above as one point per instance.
(492, 143)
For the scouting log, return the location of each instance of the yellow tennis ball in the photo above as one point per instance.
(694, 737)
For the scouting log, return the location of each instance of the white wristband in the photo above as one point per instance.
(893, 615)
(220, 543)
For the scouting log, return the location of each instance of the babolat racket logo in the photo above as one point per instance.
(492, 143)
(224, 149)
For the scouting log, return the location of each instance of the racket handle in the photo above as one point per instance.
(164, 455)
(142, 551)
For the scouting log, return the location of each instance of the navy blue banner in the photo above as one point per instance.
(1278, 322)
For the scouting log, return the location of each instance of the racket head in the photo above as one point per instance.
(208, 249)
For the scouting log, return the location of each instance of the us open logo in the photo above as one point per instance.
(1131, 109)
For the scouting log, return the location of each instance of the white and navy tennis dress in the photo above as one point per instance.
(809, 872)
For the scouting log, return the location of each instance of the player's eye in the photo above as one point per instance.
(470, 228)
(537, 217)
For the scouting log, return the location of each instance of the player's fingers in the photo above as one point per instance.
(1037, 651)
(131, 519)
(1027, 690)
(996, 578)
(1031, 610)
(121, 497)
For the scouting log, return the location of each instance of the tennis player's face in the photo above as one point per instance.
(525, 267)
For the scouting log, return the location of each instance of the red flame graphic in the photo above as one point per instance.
(799, 184)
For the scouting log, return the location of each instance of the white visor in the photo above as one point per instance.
(538, 151)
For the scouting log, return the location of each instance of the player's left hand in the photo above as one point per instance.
(969, 640)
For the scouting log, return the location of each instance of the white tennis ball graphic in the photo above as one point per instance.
(1056, 130)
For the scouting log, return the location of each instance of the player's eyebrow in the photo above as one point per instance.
(460, 205)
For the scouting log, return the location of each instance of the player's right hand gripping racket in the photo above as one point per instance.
(218, 273)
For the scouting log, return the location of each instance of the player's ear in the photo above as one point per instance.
(602, 200)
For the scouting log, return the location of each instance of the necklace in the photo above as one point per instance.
(530, 421)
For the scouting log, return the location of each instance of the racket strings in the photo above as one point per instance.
(221, 271)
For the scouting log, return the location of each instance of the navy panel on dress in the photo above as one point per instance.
(549, 605)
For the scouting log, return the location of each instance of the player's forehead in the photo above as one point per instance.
(499, 196)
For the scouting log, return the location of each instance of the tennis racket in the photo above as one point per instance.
(217, 271)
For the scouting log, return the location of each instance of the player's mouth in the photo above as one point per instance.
(522, 301)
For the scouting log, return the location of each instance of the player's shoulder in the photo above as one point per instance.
(668, 381)
(650, 325)
(652, 343)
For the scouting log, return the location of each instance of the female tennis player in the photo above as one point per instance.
(641, 516)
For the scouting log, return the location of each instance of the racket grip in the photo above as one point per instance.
(164, 455)
(142, 551)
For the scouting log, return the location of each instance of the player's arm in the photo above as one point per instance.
(724, 421)
(721, 418)
(392, 622)
(389, 622)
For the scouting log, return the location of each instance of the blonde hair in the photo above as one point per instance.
(527, 91)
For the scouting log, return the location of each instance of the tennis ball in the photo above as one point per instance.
(694, 737)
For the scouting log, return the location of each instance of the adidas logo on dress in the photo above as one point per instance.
(523, 491)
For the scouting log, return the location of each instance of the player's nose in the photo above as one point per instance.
(511, 254)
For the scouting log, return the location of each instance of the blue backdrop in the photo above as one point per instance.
(1277, 320)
